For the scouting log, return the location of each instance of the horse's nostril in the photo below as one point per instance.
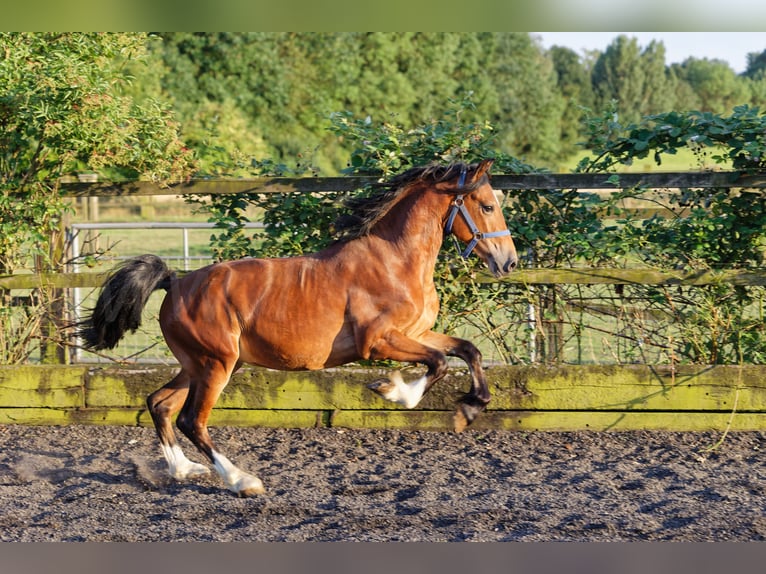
(510, 265)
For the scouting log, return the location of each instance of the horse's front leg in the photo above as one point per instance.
(395, 346)
(475, 401)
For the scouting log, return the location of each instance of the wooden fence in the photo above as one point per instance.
(527, 398)
(656, 180)
(539, 397)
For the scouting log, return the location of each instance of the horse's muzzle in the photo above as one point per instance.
(509, 265)
(500, 267)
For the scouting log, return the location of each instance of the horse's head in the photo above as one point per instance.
(476, 218)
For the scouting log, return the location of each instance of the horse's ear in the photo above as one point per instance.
(482, 169)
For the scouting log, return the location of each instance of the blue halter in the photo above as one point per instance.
(458, 206)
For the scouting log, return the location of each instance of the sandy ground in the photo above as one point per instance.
(86, 483)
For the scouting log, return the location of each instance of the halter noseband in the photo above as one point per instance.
(458, 205)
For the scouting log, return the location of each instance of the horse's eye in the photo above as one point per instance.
(487, 208)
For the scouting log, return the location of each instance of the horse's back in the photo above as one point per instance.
(279, 313)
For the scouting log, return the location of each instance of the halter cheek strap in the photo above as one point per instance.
(458, 206)
(461, 179)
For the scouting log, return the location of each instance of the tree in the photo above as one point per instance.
(685, 96)
(635, 78)
(756, 65)
(284, 87)
(574, 84)
(715, 84)
(524, 100)
(226, 89)
(64, 109)
(757, 88)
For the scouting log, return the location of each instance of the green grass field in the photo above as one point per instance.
(684, 160)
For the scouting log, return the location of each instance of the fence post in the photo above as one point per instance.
(52, 351)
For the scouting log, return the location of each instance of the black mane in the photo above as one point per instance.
(367, 210)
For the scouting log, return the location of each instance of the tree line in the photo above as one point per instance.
(271, 94)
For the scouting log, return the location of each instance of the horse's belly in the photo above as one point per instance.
(299, 350)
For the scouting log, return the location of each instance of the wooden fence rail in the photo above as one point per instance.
(722, 179)
(568, 276)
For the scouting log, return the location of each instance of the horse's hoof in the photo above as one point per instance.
(253, 491)
(249, 486)
(459, 421)
(465, 414)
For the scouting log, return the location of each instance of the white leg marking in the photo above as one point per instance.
(179, 466)
(238, 481)
(403, 393)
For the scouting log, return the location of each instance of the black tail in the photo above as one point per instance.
(122, 299)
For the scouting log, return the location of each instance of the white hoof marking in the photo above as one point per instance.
(406, 394)
(238, 481)
(179, 466)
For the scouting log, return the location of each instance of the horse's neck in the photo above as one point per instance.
(415, 231)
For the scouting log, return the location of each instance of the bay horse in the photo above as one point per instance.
(370, 295)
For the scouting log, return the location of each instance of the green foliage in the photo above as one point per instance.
(387, 148)
(738, 139)
(714, 228)
(692, 228)
(268, 94)
(573, 81)
(523, 103)
(285, 85)
(636, 78)
(63, 109)
(756, 64)
(717, 88)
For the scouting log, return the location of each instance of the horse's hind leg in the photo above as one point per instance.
(163, 404)
(192, 421)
